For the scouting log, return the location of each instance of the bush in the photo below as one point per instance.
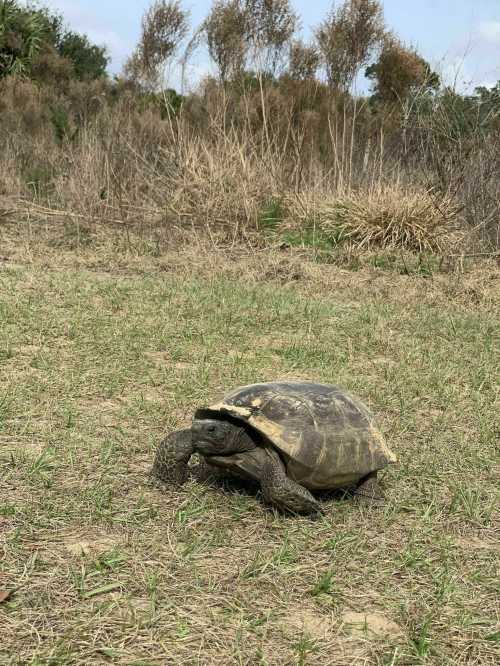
(389, 217)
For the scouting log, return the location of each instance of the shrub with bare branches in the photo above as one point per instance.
(164, 26)
(347, 38)
(226, 33)
(304, 60)
(271, 25)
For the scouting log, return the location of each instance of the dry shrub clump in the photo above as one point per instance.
(391, 216)
(222, 183)
(104, 153)
(87, 156)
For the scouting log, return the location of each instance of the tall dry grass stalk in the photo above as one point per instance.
(216, 169)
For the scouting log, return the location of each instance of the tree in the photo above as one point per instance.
(30, 36)
(164, 26)
(21, 38)
(400, 72)
(304, 61)
(489, 96)
(347, 39)
(226, 32)
(90, 61)
(271, 25)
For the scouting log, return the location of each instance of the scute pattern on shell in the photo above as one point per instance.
(326, 436)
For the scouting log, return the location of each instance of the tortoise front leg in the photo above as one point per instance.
(206, 473)
(172, 457)
(280, 490)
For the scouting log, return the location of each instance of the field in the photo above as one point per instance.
(103, 349)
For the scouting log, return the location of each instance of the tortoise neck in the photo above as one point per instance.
(242, 440)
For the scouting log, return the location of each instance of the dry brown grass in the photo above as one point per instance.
(385, 217)
(120, 164)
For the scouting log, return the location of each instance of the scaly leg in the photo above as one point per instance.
(172, 457)
(280, 490)
(369, 490)
(206, 473)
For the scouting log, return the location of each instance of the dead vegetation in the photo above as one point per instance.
(388, 218)
(239, 170)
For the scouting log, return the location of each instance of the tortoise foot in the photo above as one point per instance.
(281, 491)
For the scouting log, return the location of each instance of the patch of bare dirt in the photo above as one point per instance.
(366, 625)
(85, 545)
(306, 621)
(129, 609)
(28, 350)
(476, 543)
(104, 409)
(163, 359)
(159, 358)
(31, 446)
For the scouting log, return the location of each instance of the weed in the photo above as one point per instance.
(271, 215)
(304, 647)
(422, 639)
(324, 584)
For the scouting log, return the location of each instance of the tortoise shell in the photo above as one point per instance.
(326, 437)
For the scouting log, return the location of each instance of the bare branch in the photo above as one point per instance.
(347, 39)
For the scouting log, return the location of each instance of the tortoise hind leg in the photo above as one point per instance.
(171, 461)
(369, 490)
(278, 489)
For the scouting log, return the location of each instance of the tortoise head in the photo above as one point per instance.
(216, 437)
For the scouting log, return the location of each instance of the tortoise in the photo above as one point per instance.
(292, 437)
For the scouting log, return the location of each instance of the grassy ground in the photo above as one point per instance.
(98, 360)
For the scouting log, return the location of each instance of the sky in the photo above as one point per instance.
(460, 38)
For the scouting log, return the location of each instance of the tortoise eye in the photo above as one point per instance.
(211, 428)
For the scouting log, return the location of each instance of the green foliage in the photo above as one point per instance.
(489, 96)
(486, 103)
(170, 102)
(271, 216)
(324, 585)
(28, 33)
(90, 61)
(21, 37)
(454, 117)
(38, 178)
(60, 122)
(310, 237)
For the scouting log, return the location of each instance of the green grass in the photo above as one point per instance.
(106, 569)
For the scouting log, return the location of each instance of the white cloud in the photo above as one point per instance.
(490, 31)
